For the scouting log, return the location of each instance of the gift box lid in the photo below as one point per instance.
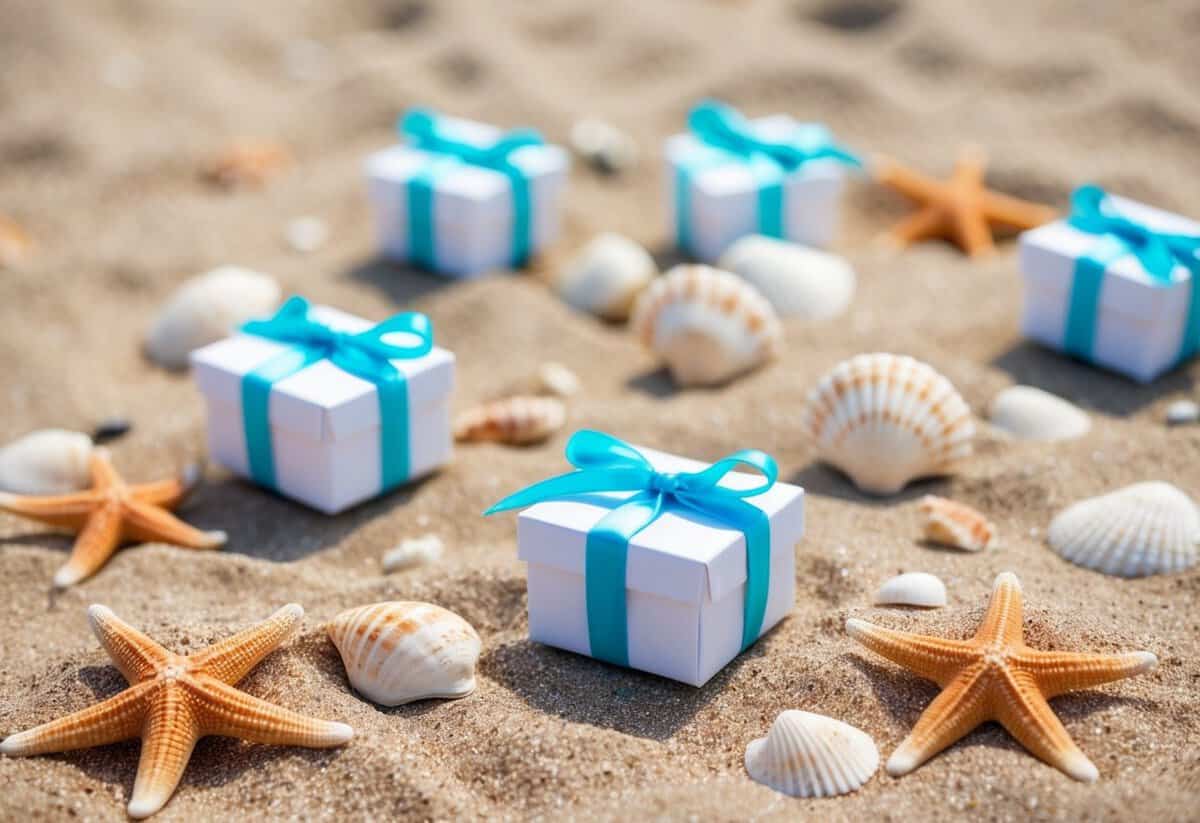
(320, 402)
(683, 555)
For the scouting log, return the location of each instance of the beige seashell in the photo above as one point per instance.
(516, 421)
(798, 281)
(557, 379)
(246, 163)
(884, 420)
(415, 551)
(811, 755)
(706, 324)
(207, 308)
(606, 276)
(1028, 413)
(48, 461)
(15, 243)
(912, 589)
(953, 524)
(1143, 529)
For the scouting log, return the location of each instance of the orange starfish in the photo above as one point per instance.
(995, 676)
(961, 209)
(172, 701)
(111, 512)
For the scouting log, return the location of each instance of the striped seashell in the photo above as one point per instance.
(707, 325)
(607, 276)
(885, 419)
(953, 524)
(1143, 529)
(398, 652)
(47, 461)
(912, 589)
(517, 421)
(811, 755)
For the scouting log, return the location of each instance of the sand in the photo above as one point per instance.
(108, 111)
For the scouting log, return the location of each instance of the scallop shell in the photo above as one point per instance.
(607, 276)
(885, 419)
(1143, 529)
(912, 589)
(707, 325)
(517, 421)
(953, 524)
(398, 652)
(206, 309)
(811, 755)
(416, 551)
(1028, 413)
(798, 281)
(48, 461)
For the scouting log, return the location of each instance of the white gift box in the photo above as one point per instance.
(1140, 324)
(324, 422)
(685, 575)
(723, 201)
(472, 205)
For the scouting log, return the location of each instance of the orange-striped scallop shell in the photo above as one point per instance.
(518, 421)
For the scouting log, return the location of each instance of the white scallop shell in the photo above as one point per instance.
(912, 589)
(797, 280)
(398, 652)
(885, 419)
(415, 551)
(206, 309)
(607, 276)
(518, 420)
(957, 525)
(1143, 529)
(811, 755)
(1028, 413)
(48, 461)
(707, 325)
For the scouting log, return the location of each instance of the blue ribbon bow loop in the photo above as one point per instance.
(605, 464)
(365, 355)
(425, 131)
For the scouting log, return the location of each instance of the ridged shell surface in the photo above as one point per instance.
(1028, 413)
(1143, 529)
(398, 652)
(885, 419)
(47, 461)
(607, 276)
(912, 589)
(518, 421)
(956, 525)
(707, 325)
(797, 280)
(811, 755)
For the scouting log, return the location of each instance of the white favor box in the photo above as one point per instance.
(685, 576)
(724, 198)
(473, 206)
(1141, 321)
(324, 421)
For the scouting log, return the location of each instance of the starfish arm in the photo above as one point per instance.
(169, 734)
(117, 718)
(912, 184)
(232, 658)
(1058, 672)
(960, 707)
(971, 166)
(136, 656)
(104, 476)
(1024, 712)
(1014, 212)
(148, 524)
(228, 712)
(934, 658)
(168, 494)
(94, 545)
(927, 223)
(1002, 622)
(69, 511)
(972, 232)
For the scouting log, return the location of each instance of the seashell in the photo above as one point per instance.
(1182, 411)
(415, 551)
(397, 652)
(1143, 529)
(557, 379)
(884, 420)
(912, 589)
(798, 281)
(953, 524)
(706, 324)
(603, 146)
(246, 163)
(206, 309)
(517, 421)
(811, 755)
(606, 276)
(1028, 413)
(15, 243)
(48, 461)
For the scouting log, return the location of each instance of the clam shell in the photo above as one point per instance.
(415, 551)
(885, 419)
(517, 421)
(206, 309)
(398, 652)
(797, 280)
(707, 325)
(1143, 529)
(48, 461)
(607, 276)
(1028, 413)
(912, 589)
(953, 524)
(811, 755)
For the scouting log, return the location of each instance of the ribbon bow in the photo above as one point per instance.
(1158, 252)
(606, 464)
(726, 128)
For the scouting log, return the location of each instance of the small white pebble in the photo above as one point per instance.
(557, 379)
(605, 147)
(415, 551)
(306, 234)
(1183, 411)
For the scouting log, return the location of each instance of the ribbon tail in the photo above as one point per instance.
(578, 482)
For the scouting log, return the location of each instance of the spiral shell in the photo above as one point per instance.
(518, 421)
(953, 524)
(810, 755)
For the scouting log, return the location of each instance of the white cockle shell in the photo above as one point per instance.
(912, 589)
(1029, 413)
(811, 755)
(47, 461)
(798, 281)
(606, 276)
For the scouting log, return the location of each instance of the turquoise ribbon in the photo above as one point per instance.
(606, 464)
(364, 355)
(728, 137)
(1158, 252)
(424, 132)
